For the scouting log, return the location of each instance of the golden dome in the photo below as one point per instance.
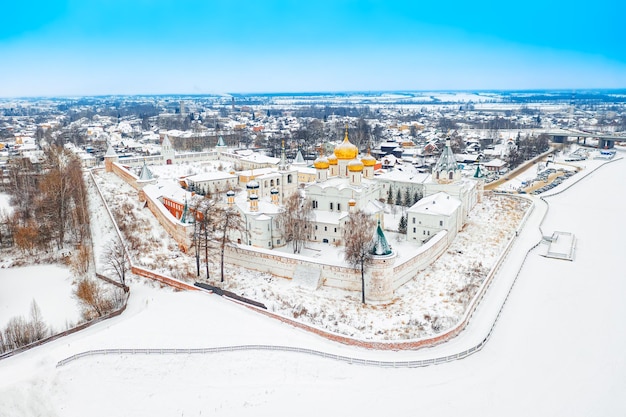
(345, 150)
(355, 166)
(321, 163)
(368, 160)
(332, 159)
(352, 202)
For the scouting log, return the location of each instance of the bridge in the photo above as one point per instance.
(605, 140)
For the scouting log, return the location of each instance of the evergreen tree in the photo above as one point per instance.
(399, 198)
(407, 198)
(390, 196)
(402, 224)
(416, 197)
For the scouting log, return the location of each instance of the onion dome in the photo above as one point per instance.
(368, 160)
(352, 202)
(345, 150)
(252, 185)
(355, 166)
(332, 159)
(321, 163)
(230, 193)
(273, 191)
(253, 197)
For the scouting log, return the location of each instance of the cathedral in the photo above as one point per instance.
(344, 183)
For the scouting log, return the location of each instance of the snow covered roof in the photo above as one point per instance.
(167, 189)
(410, 175)
(495, 163)
(259, 158)
(211, 176)
(436, 204)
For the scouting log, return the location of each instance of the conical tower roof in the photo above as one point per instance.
(110, 151)
(146, 174)
(183, 217)
(447, 161)
(299, 159)
(380, 245)
(479, 172)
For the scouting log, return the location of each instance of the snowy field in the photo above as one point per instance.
(557, 349)
(49, 285)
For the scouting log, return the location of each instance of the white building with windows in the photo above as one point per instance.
(261, 202)
(446, 177)
(433, 214)
(211, 182)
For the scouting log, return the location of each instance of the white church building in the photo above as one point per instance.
(344, 183)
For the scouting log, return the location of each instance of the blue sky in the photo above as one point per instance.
(85, 47)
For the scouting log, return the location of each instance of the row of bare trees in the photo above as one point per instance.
(214, 228)
(20, 332)
(50, 202)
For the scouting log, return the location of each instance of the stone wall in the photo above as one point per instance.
(424, 256)
(180, 232)
(284, 265)
(162, 278)
(121, 171)
(382, 277)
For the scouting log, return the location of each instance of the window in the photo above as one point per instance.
(338, 207)
(277, 181)
(331, 206)
(278, 242)
(335, 232)
(440, 222)
(325, 228)
(424, 232)
(289, 179)
(314, 204)
(269, 244)
(414, 230)
(451, 174)
(272, 183)
(413, 220)
(315, 227)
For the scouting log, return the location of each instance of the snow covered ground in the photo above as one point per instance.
(49, 285)
(557, 348)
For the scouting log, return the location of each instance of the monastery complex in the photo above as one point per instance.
(336, 185)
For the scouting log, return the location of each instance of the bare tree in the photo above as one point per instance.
(228, 224)
(38, 326)
(296, 220)
(357, 237)
(19, 332)
(93, 299)
(116, 259)
(204, 229)
(81, 260)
